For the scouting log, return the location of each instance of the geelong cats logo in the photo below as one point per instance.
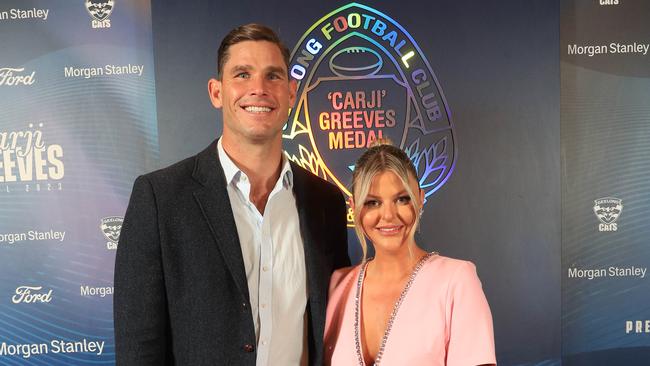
(607, 210)
(111, 227)
(100, 10)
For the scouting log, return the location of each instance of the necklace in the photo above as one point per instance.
(393, 314)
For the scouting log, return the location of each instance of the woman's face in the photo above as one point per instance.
(388, 215)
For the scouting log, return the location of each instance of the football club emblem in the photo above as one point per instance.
(607, 210)
(100, 10)
(361, 76)
(111, 227)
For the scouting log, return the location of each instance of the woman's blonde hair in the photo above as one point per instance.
(381, 157)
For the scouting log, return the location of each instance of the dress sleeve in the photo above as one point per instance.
(469, 320)
(339, 293)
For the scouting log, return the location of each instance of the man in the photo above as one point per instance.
(224, 258)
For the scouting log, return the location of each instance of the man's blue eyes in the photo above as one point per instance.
(245, 75)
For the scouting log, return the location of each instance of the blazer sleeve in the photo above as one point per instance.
(139, 301)
(340, 240)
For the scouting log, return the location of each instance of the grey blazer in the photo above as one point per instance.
(181, 295)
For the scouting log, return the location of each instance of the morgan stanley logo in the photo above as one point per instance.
(607, 210)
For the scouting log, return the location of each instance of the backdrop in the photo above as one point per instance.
(77, 124)
(605, 192)
(497, 71)
(474, 91)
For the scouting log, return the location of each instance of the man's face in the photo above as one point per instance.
(254, 92)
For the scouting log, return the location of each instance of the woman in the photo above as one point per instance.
(404, 306)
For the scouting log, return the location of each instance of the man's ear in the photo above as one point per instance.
(214, 90)
(293, 87)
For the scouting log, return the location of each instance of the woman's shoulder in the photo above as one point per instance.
(450, 268)
(343, 275)
(342, 283)
(442, 261)
(456, 278)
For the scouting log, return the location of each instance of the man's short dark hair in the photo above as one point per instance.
(249, 32)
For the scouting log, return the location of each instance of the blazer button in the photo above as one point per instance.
(248, 348)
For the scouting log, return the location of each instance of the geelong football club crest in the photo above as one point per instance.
(100, 10)
(607, 210)
(111, 227)
(361, 76)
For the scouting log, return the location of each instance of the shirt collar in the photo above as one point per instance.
(233, 173)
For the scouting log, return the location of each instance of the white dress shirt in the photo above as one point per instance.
(274, 260)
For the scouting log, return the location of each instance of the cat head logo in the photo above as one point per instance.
(361, 76)
(100, 10)
(111, 227)
(608, 209)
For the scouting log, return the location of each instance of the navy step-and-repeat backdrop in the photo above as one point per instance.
(533, 155)
(77, 124)
(605, 117)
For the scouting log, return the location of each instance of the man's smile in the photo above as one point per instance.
(257, 109)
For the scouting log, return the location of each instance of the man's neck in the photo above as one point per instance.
(262, 164)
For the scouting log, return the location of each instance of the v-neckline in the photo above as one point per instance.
(393, 314)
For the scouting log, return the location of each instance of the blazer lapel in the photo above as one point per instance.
(312, 231)
(310, 222)
(214, 202)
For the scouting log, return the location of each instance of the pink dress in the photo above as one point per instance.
(443, 318)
